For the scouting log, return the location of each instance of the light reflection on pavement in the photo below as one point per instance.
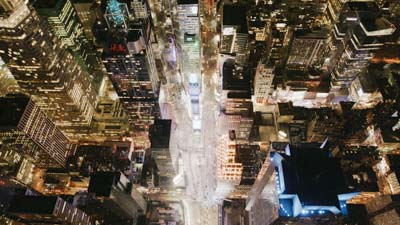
(195, 149)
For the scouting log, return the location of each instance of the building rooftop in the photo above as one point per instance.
(160, 133)
(304, 51)
(187, 2)
(49, 7)
(376, 26)
(310, 173)
(368, 82)
(232, 79)
(13, 107)
(247, 156)
(388, 134)
(33, 204)
(235, 15)
(366, 5)
(101, 183)
(317, 220)
(394, 163)
(134, 35)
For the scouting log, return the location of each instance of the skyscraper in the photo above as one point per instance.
(129, 61)
(263, 83)
(24, 125)
(44, 69)
(66, 24)
(63, 21)
(359, 33)
(234, 38)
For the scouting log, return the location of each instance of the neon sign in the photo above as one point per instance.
(117, 48)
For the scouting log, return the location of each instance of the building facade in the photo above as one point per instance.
(27, 126)
(45, 69)
(129, 62)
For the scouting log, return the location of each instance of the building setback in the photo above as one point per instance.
(46, 210)
(43, 68)
(23, 119)
(129, 61)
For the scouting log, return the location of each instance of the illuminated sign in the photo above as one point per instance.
(228, 31)
(193, 10)
(189, 38)
(117, 48)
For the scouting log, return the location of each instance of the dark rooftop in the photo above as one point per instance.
(246, 155)
(49, 7)
(33, 204)
(285, 108)
(315, 220)
(313, 175)
(368, 82)
(257, 23)
(93, 151)
(346, 107)
(235, 15)
(101, 183)
(372, 23)
(240, 95)
(232, 79)
(187, 2)
(49, 3)
(160, 133)
(13, 106)
(363, 6)
(134, 35)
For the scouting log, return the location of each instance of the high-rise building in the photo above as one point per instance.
(303, 193)
(234, 38)
(44, 69)
(306, 52)
(235, 102)
(160, 136)
(235, 97)
(333, 10)
(262, 83)
(87, 12)
(117, 193)
(140, 9)
(188, 17)
(372, 208)
(25, 126)
(360, 32)
(129, 62)
(65, 23)
(46, 209)
(228, 169)
(244, 172)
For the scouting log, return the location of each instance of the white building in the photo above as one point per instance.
(228, 170)
(262, 83)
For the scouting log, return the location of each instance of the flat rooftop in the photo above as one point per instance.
(235, 15)
(187, 2)
(33, 204)
(233, 79)
(160, 133)
(313, 175)
(101, 183)
(377, 26)
(49, 7)
(13, 106)
(367, 5)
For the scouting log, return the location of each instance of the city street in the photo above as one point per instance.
(193, 150)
